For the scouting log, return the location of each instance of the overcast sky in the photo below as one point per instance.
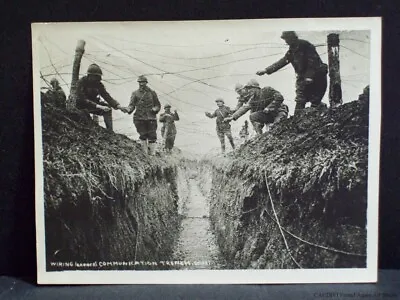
(190, 64)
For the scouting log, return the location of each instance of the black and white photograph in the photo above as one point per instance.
(224, 151)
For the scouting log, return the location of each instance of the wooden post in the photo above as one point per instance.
(79, 50)
(335, 87)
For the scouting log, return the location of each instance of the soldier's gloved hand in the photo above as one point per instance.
(123, 109)
(308, 80)
(103, 108)
(207, 114)
(260, 73)
(228, 119)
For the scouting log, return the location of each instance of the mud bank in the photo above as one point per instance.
(296, 196)
(105, 201)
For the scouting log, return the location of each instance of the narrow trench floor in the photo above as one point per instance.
(197, 244)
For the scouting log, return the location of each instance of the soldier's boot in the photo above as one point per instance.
(223, 147)
(320, 106)
(144, 146)
(108, 120)
(258, 127)
(152, 148)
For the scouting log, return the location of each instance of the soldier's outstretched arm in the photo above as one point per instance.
(277, 65)
(213, 115)
(106, 96)
(240, 112)
(132, 103)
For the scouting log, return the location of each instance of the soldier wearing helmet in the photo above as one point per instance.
(223, 128)
(265, 105)
(242, 96)
(56, 94)
(146, 105)
(311, 72)
(168, 131)
(89, 90)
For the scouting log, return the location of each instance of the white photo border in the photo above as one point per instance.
(368, 274)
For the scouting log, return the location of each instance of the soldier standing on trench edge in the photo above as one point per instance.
(89, 90)
(266, 106)
(146, 105)
(168, 131)
(223, 128)
(311, 72)
(56, 94)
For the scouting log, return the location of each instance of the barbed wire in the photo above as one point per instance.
(51, 62)
(355, 52)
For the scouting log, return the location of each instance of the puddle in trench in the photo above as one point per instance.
(197, 246)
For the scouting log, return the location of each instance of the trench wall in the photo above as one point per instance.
(105, 201)
(312, 181)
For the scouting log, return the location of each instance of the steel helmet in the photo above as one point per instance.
(167, 106)
(220, 100)
(288, 35)
(238, 87)
(252, 83)
(94, 70)
(142, 78)
(54, 81)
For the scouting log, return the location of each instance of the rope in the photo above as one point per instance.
(51, 62)
(277, 222)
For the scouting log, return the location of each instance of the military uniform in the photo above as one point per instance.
(168, 131)
(88, 96)
(307, 64)
(266, 107)
(145, 119)
(242, 100)
(57, 96)
(223, 128)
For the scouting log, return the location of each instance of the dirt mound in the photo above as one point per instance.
(105, 200)
(311, 170)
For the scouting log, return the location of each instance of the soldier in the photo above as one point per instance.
(244, 132)
(243, 96)
(168, 131)
(89, 90)
(56, 94)
(223, 128)
(266, 106)
(311, 81)
(146, 105)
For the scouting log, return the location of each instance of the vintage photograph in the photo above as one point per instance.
(226, 151)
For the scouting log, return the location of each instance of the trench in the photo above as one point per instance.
(196, 247)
